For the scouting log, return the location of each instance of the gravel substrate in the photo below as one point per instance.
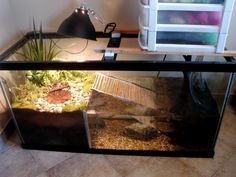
(56, 99)
(112, 137)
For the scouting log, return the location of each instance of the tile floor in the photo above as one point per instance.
(16, 162)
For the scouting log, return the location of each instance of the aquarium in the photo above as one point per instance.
(122, 107)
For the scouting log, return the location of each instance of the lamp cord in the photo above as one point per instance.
(73, 53)
(110, 27)
(158, 74)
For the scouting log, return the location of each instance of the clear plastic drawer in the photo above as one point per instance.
(188, 17)
(191, 38)
(192, 15)
(186, 38)
(143, 38)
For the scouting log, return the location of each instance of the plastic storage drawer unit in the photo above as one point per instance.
(184, 25)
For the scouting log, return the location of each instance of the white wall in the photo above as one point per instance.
(52, 13)
(8, 30)
(231, 42)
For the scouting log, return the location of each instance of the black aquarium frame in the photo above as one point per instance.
(229, 66)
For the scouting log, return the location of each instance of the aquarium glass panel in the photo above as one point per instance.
(159, 111)
(165, 111)
(49, 105)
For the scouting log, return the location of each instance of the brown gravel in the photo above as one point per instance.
(112, 137)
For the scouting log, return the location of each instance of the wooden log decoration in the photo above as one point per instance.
(226, 53)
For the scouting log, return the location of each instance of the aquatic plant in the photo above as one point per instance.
(37, 49)
(25, 95)
(88, 83)
(50, 77)
(36, 77)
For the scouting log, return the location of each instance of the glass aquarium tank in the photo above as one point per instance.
(133, 105)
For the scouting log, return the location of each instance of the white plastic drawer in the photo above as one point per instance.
(177, 25)
(144, 2)
(144, 16)
(188, 17)
(187, 38)
(143, 38)
(195, 15)
(147, 2)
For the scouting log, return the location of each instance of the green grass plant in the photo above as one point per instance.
(37, 48)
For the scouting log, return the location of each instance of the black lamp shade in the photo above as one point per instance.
(78, 24)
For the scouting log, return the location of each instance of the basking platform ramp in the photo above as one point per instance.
(130, 90)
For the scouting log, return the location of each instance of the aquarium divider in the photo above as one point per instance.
(86, 124)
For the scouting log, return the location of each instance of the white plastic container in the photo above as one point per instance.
(172, 25)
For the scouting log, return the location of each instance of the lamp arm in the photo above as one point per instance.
(92, 12)
(96, 16)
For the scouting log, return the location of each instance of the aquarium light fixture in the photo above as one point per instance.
(78, 24)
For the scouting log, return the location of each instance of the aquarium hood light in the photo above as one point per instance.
(78, 24)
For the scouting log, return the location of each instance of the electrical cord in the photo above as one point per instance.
(158, 74)
(109, 28)
(73, 53)
(196, 80)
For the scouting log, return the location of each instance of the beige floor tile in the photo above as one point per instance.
(18, 163)
(208, 166)
(49, 159)
(228, 128)
(83, 165)
(43, 175)
(228, 169)
(125, 164)
(12, 141)
(164, 167)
